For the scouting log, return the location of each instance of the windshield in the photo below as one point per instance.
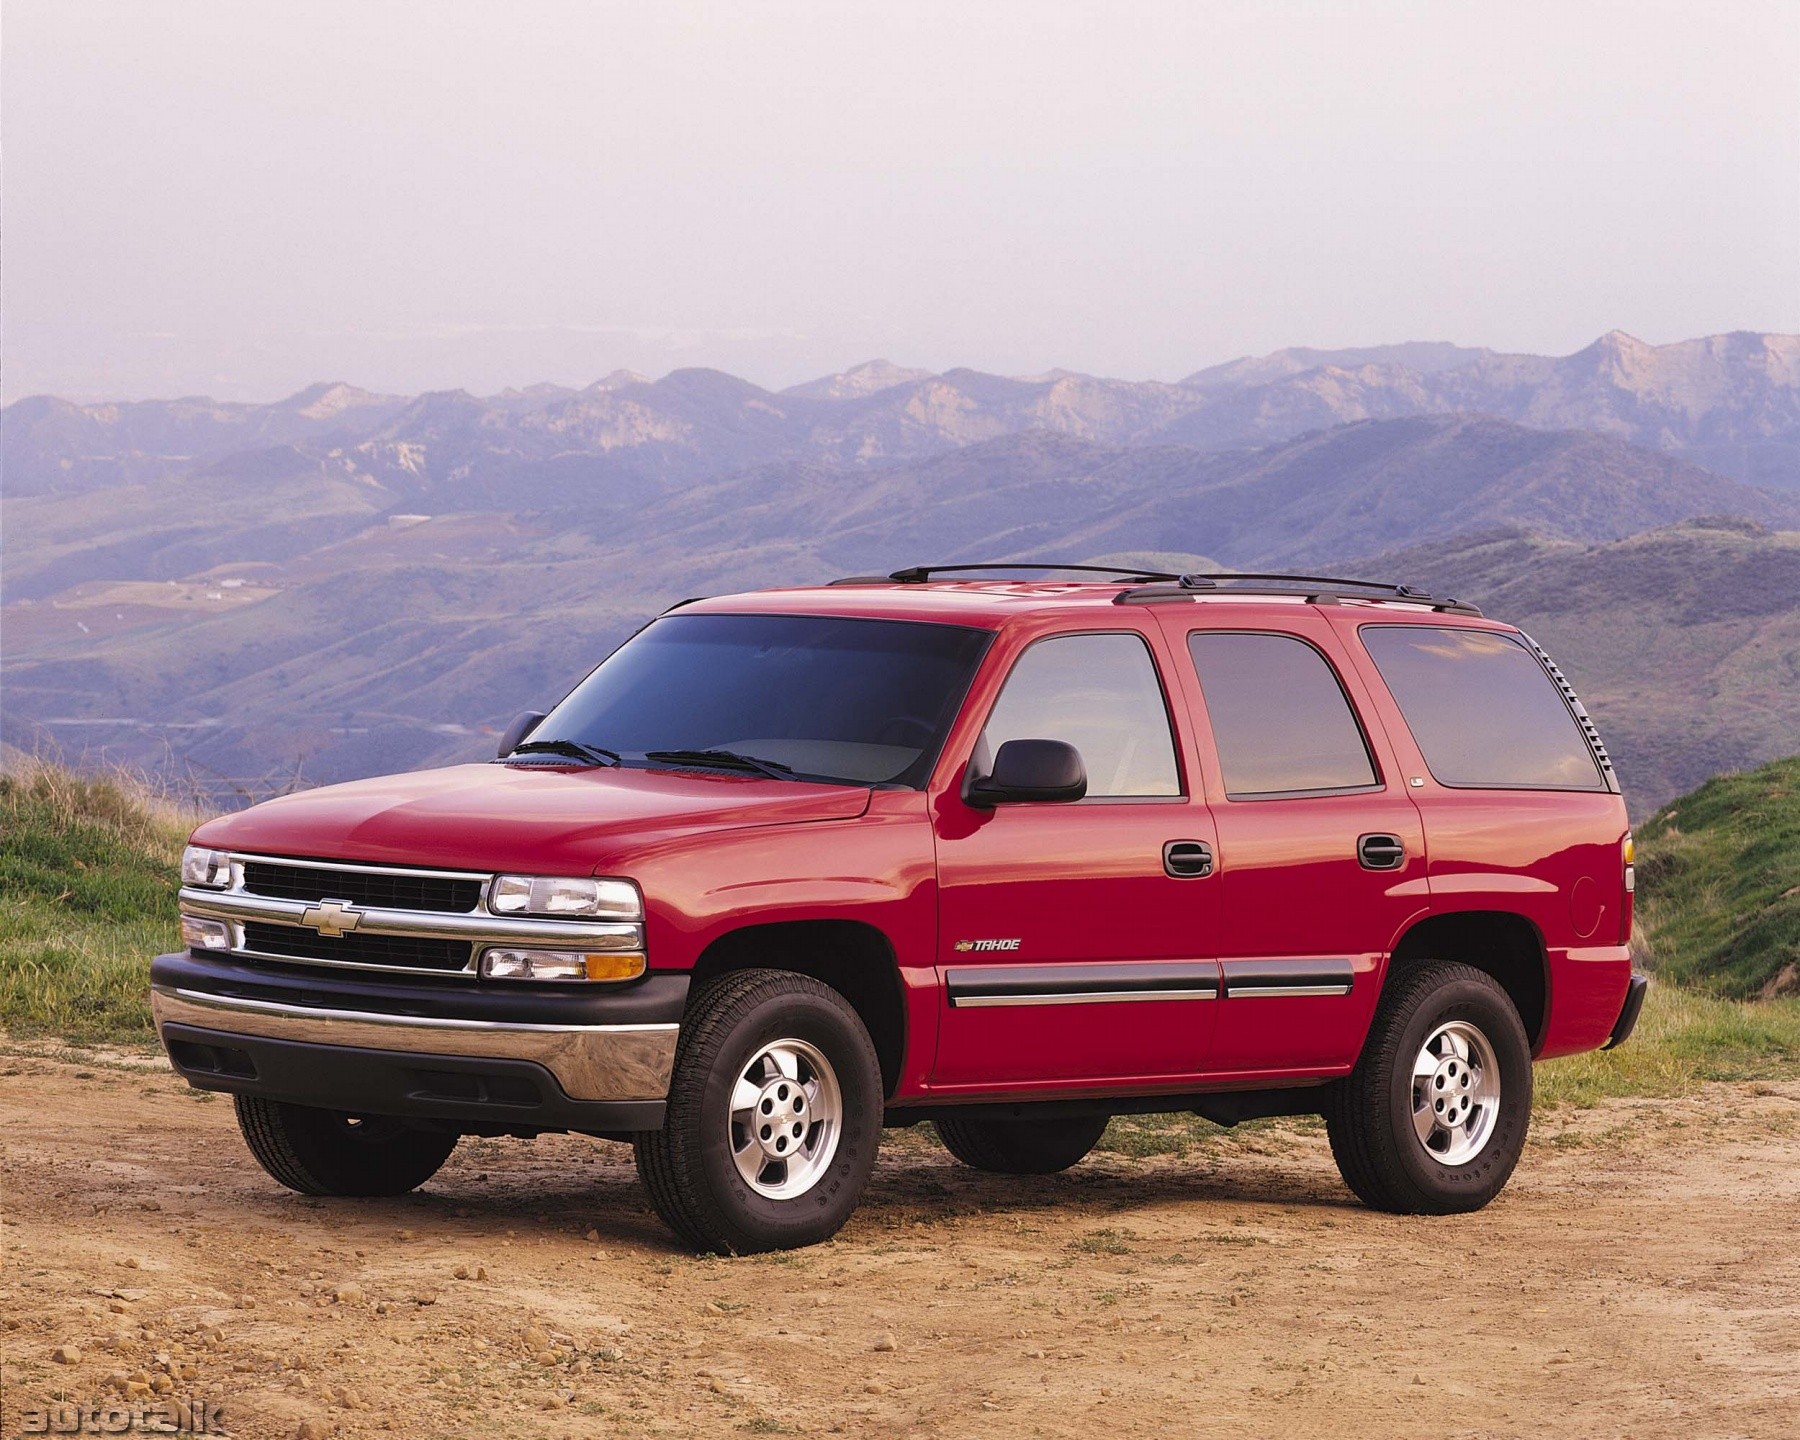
(858, 702)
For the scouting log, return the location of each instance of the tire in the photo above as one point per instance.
(329, 1152)
(1415, 1128)
(1021, 1147)
(785, 1164)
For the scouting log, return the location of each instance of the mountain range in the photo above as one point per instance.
(1729, 403)
(345, 582)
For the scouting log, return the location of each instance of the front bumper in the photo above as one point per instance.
(562, 1057)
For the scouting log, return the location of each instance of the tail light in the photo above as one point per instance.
(1628, 871)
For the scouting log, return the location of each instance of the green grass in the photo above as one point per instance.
(1682, 1040)
(87, 896)
(1719, 884)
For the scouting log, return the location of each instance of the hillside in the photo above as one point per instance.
(1719, 870)
(1684, 642)
(223, 630)
(1730, 403)
(87, 893)
(1350, 490)
(1364, 487)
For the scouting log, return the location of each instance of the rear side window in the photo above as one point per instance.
(1100, 694)
(1485, 713)
(1279, 716)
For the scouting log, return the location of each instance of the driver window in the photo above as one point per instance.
(1100, 694)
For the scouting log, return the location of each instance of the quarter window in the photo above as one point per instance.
(1484, 711)
(1279, 716)
(1100, 694)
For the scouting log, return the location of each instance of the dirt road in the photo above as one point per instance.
(1640, 1278)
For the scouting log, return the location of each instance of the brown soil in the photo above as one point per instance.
(1640, 1277)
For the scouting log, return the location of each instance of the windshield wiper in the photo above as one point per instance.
(725, 759)
(574, 749)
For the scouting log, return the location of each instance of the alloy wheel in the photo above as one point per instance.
(787, 1115)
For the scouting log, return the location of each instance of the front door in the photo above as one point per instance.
(1071, 948)
(1321, 850)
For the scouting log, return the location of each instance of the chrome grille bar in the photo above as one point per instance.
(334, 916)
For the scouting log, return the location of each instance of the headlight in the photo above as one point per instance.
(561, 965)
(572, 896)
(209, 868)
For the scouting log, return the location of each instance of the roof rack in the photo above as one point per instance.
(919, 574)
(1160, 586)
(1318, 590)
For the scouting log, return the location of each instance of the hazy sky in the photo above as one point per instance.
(238, 199)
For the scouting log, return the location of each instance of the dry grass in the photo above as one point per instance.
(87, 894)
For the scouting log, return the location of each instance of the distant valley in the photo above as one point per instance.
(342, 582)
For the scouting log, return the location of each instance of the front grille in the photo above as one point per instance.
(379, 889)
(417, 952)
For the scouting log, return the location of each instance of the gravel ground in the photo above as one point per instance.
(1640, 1277)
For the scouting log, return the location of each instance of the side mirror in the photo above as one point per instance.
(1030, 770)
(515, 733)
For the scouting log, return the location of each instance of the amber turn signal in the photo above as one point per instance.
(614, 967)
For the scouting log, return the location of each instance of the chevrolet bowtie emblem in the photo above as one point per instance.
(333, 917)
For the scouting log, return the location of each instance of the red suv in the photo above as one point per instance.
(1010, 854)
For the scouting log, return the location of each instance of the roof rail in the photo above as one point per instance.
(1160, 586)
(1318, 589)
(919, 574)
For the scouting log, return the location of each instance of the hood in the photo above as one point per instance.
(529, 819)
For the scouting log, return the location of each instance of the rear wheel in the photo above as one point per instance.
(331, 1152)
(1021, 1147)
(1433, 1119)
(773, 1119)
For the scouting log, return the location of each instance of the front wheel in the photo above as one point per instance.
(1433, 1118)
(330, 1152)
(773, 1119)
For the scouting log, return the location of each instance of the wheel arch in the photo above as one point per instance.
(1501, 943)
(853, 957)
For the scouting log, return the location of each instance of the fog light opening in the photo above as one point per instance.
(202, 934)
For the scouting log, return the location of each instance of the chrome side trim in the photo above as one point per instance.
(590, 1062)
(1080, 997)
(1277, 977)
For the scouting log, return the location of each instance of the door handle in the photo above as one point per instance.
(1381, 852)
(1188, 859)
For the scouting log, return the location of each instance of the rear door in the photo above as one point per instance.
(1321, 854)
(1068, 950)
(1520, 804)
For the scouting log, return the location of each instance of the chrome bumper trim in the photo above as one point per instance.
(590, 1062)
